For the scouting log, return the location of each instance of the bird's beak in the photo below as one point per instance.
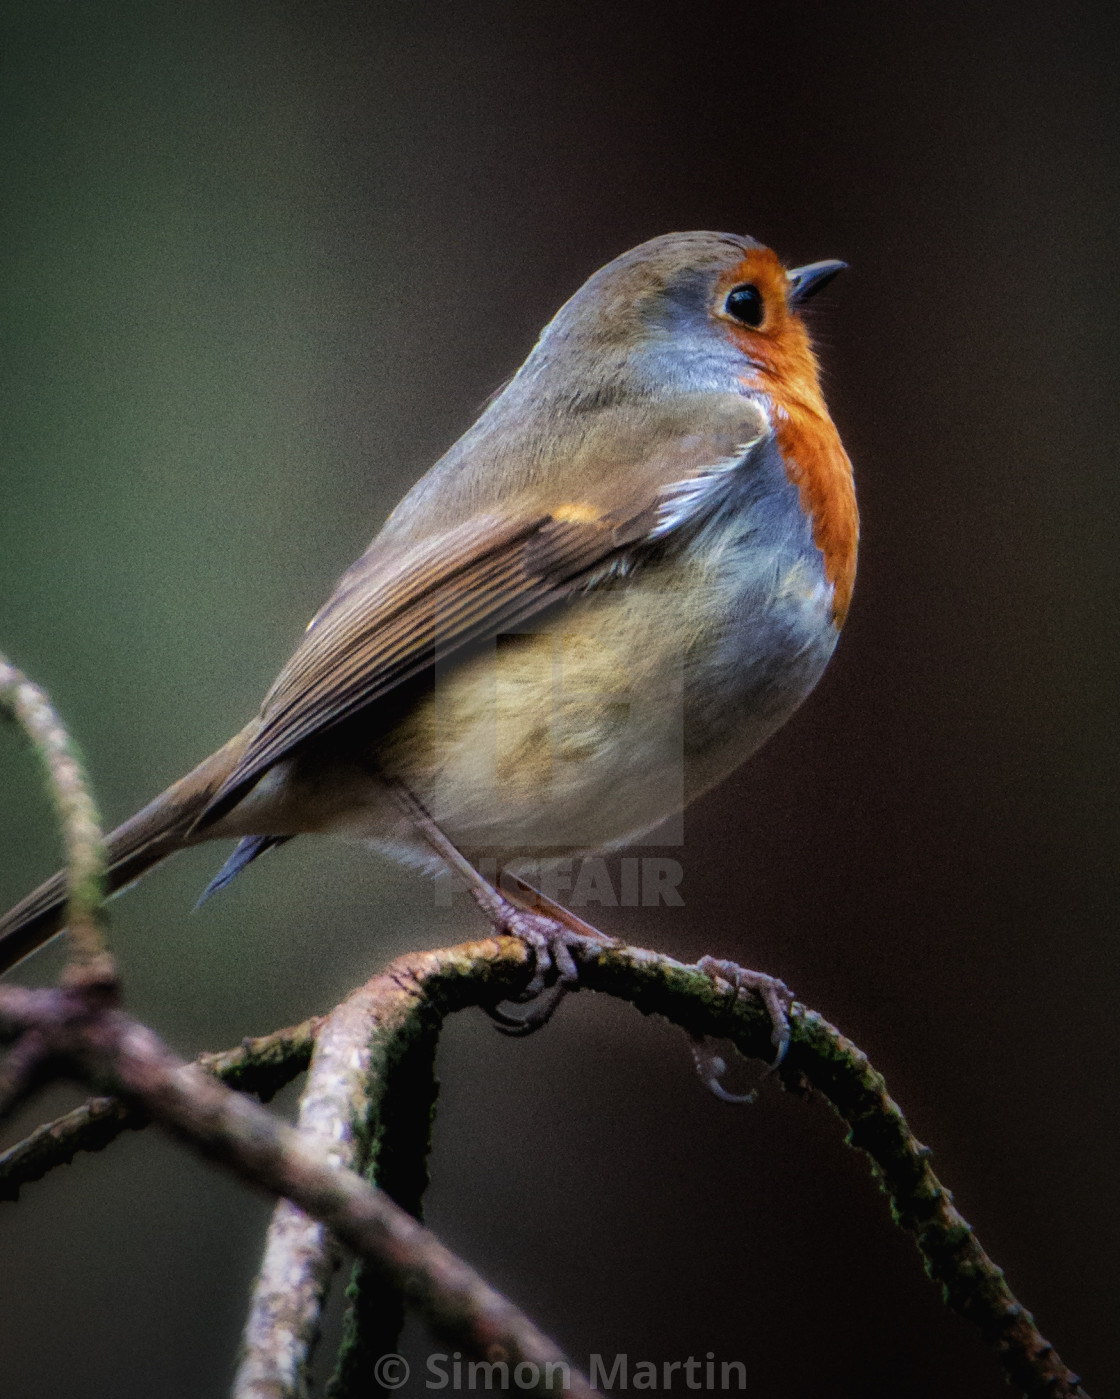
(806, 281)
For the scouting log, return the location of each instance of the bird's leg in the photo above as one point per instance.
(553, 934)
(775, 996)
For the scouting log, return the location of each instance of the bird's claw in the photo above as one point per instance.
(775, 996)
(535, 1018)
(555, 951)
(711, 1066)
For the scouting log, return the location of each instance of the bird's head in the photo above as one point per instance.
(695, 311)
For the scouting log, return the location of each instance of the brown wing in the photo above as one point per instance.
(392, 615)
(371, 639)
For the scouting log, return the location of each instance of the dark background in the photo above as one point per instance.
(264, 263)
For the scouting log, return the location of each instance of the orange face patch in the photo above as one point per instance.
(762, 269)
(785, 369)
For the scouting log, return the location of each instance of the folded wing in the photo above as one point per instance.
(393, 614)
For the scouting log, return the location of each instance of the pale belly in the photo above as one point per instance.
(592, 725)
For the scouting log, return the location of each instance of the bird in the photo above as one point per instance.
(611, 590)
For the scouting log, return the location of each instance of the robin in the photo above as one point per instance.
(611, 590)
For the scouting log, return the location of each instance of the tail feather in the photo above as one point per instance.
(248, 849)
(159, 830)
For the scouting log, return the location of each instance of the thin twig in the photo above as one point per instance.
(27, 704)
(361, 1106)
(90, 1127)
(825, 1060)
(261, 1066)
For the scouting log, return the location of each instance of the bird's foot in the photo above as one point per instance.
(553, 934)
(556, 949)
(775, 996)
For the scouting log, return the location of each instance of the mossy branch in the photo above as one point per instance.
(400, 1101)
(819, 1057)
(261, 1066)
(358, 1051)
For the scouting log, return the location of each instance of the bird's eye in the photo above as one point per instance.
(745, 304)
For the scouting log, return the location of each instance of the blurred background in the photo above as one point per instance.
(263, 263)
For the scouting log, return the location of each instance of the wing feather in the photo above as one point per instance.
(396, 612)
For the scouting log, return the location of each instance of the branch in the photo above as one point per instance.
(106, 1047)
(339, 1112)
(261, 1066)
(402, 1101)
(820, 1057)
(85, 851)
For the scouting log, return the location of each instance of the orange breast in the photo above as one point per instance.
(785, 368)
(819, 467)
